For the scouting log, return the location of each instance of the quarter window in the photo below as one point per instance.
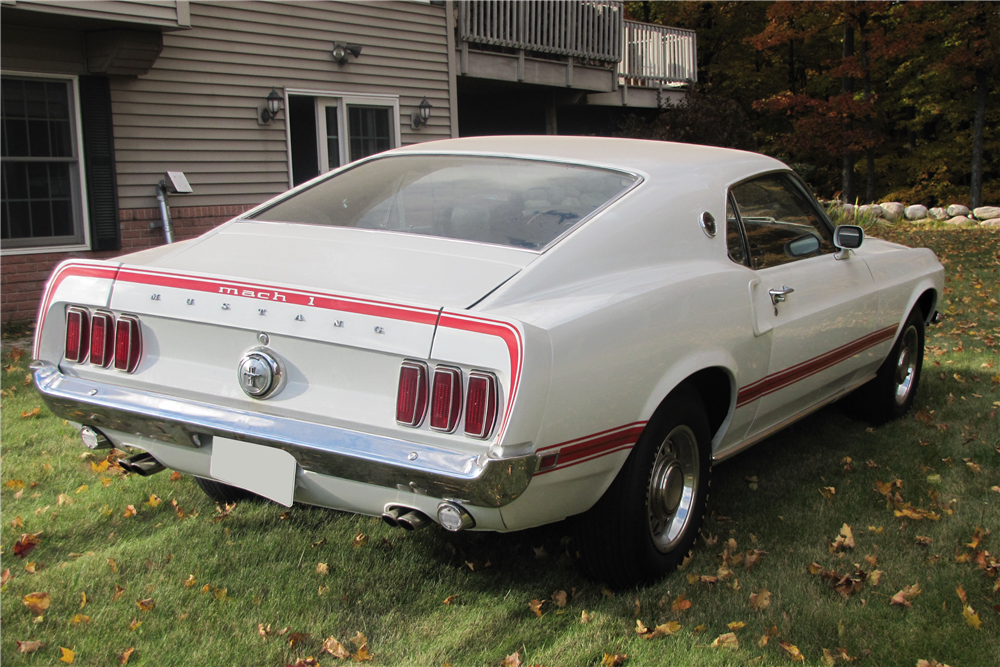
(41, 199)
(780, 223)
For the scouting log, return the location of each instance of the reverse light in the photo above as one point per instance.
(411, 396)
(77, 334)
(481, 405)
(446, 399)
(102, 339)
(128, 343)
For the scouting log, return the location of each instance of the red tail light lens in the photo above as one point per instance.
(411, 397)
(128, 343)
(77, 334)
(481, 405)
(446, 399)
(102, 339)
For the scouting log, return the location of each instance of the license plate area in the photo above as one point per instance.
(266, 471)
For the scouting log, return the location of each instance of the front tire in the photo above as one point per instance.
(647, 521)
(891, 393)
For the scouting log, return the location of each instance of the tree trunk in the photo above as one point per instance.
(847, 168)
(978, 128)
(869, 126)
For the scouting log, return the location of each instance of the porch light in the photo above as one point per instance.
(269, 113)
(342, 51)
(423, 114)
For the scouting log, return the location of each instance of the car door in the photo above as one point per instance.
(818, 306)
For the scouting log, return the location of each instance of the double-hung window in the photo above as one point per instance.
(43, 199)
(327, 131)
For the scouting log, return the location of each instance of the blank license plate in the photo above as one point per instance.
(267, 471)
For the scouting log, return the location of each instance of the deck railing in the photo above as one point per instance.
(591, 29)
(658, 54)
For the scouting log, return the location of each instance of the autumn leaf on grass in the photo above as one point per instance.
(296, 637)
(971, 617)
(680, 604)
(80, 618)
(31, 568)
(930, 663)
(67, 655)
(753, 557)
(190, 581)
(360, 540)
(146, 605)
(449, 599)
(335, 648)
(512, 660)
(844, 541)
(113, 565)
(760, 600)
(536, 607)
(37, 602)
(126, 654)
(29, 647)
(695, 578)
(118, 592)
(828, 492)
(659, 631)
(129, 511)
(265, 631)
(559, 597)
(34, 412)
(613, 660)
(904, 596)
(585, 617)
(322, 568)
(174, 476)
(27, 543)
(5, 577)
(727, 640)
(154, 500)
(792, 651)
(363, 655)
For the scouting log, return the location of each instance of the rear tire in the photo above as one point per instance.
(890, 394)
(647, 521)
(224, 493)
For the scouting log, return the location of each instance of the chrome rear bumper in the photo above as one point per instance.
(327, 450)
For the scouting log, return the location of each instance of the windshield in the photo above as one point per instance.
(504, 201)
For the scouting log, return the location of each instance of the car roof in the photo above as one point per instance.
(657, 159)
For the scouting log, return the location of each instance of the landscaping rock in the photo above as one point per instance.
(987, 212)
(958, 209)
(873, 209)
(938, 213)
(891, 210)
(958, 220)
(848, 210)
(915, 212)
(994, 222)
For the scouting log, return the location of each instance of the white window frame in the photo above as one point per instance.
(325, 98)
(81, 209)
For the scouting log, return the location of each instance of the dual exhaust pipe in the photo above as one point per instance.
(452, 517)
(407, 519)
(142, 464)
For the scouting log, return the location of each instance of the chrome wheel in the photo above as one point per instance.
(906, 365)
(673, 487)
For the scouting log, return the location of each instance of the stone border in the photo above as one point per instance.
(956, 214)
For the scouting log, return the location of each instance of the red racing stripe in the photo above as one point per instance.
(590, 447)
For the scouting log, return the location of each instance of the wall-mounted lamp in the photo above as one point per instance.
(270, 112)
(342, 51)
(422, 115)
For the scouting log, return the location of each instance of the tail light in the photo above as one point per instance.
(411, 397)
(481, 405)
(446, 399)
(77, 334)
(102, 339)
(128, 343)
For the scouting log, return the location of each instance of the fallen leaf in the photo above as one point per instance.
(129, 511)
(536, 607)
(736, 625)
(363, 655)
(680, 604)
(118, 592)
(961, 594)
(335, 648)
(753, 557)
(360, 540)
(190, 581)
(828, 492)
(513, 660)
(971, 617)
(80, 618)
(174, 476)
(613, 660)
(154, 500)
(792, 651)
(923, 541)
(930, 663)
(31, 568)
(449, 599)
(220, 593)
(698, 629)
(16, 484)
(146, 605)
(265, 631)
(26, 544)
(37, 602)
(559, 597)
(322, 590)
(134, 624)
(296, 637)
(760, 600)
(585, 617)
(844, 541)
(67, 655)
(126, 654)
(28, 414)
(359, 639)
(63, 499)
(663, 630)
(29, 647)
(727, 640)
(322, 568)
(904, 596)
(113, 565)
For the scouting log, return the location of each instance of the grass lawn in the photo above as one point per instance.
(124, 572)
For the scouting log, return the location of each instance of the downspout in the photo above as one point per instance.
(161, 197)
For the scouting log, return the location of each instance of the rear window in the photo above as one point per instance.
(504, 201)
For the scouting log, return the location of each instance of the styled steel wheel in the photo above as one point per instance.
(673, 486)
(648, 519)
(906, 365)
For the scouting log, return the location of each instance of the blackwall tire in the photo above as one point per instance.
(890, 394)
(648, 520)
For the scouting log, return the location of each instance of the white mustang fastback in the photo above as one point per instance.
(493, 333)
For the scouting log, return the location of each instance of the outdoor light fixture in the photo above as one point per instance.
(421, 116)
(270, 112)
(342, 51)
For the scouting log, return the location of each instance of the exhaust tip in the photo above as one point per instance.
(454, 517)
(94, 439)
(391, 517)
(413, 520)
(142, 464)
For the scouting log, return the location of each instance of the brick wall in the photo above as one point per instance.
(22, 277)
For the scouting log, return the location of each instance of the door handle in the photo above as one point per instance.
(778, 296)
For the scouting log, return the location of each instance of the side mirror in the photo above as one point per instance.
(802, 246)
(847, 237)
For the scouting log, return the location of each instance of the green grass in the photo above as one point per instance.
(392, 588)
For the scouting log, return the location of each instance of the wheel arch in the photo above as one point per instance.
(714, 380)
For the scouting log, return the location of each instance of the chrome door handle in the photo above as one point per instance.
(778, 296)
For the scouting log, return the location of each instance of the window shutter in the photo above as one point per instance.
(99, 159)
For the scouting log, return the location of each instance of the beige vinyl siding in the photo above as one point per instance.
(160, 13)
(196, 110)
(38, 50)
